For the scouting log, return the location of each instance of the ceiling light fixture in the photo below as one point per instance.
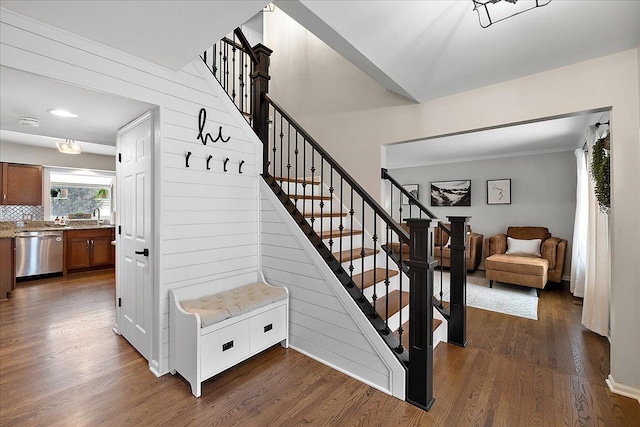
(29, 121)
(492, 11)
(69, 146)
(62, 113)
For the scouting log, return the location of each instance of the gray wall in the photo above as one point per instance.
(543, 192)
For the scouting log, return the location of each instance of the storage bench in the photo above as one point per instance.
(212, 331)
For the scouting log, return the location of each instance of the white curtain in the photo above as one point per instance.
(597, 282)
(580, 228)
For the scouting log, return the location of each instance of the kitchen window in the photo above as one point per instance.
(76, 194)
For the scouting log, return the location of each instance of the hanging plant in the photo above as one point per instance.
(600, 168)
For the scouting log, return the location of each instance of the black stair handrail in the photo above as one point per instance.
(397, 228)
(413, 201)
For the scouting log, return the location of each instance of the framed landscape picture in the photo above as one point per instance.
(451, 193)
(411, 188)
(499, 192)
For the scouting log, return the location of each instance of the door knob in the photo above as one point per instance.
(144, 252)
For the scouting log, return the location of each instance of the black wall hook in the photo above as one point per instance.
(219, 137)
(240, 166)
(208, 160)
(600, 124)
(187, 159)
(225, 164)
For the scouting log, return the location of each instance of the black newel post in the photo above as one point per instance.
(421, 264)
(458, 273)
(259, 108)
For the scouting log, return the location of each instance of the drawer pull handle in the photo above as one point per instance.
(227, 346)
(268, 327)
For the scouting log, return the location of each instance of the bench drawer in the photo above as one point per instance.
(268, 328)
(224, 348)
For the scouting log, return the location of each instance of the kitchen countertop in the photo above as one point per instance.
(9, 229)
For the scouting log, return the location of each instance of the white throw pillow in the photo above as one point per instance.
(523, 247)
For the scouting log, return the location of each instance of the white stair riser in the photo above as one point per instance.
(358, 266)
(380, 287)
(441, 332)
(306, 205)
(327, 223)
(346, 241)
(394, 321)
(293, 188)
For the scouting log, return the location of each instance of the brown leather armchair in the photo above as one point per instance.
(525, 269)
(443, 257)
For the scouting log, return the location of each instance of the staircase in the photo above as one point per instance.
(350, 231)
(369, 267)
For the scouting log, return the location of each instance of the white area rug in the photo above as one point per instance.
(502, 298)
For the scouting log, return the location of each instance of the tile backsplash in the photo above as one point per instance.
(21, 212)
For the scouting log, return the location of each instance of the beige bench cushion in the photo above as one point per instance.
(519, 264)
(218, 307)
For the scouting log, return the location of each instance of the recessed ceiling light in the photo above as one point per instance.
(62, 113)
(29, 121)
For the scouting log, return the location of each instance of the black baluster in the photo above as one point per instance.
(296, 168)
(233, 72)
(226, 67)
(241, 78)
(281, 164)
(220, 69)
(331, 209)
(289, 151)
(313, 180)
(341, 228)
(321, 194)
(351, 213)
(374, 238)
(274, 149)
(362, 251)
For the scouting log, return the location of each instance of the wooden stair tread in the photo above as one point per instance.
(297, 180)
(336, 233)
(346, 254)
(380, 275)
(394, 302)
(324, 214)
(405, 331)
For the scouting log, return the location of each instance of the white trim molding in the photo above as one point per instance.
(622, 389)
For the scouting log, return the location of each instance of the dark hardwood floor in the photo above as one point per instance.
(61, 364)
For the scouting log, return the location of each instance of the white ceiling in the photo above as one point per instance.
(100, 115)
(169, 33)
(545, 136)
(421, 49)
(430, 49)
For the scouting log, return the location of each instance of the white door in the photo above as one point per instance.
(134, 234)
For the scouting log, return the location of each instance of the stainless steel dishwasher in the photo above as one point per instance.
(38, 252)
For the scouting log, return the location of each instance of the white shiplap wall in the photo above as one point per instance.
(206, 222)
(324, 321)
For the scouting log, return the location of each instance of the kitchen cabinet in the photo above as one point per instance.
(7, 267)
(21, 184)
(88, 249)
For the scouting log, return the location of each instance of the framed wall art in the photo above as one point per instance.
(499, 192)
(451, 193)
(412, 189)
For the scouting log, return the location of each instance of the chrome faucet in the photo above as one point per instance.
(94, 214)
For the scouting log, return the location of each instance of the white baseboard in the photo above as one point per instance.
(622, 389)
